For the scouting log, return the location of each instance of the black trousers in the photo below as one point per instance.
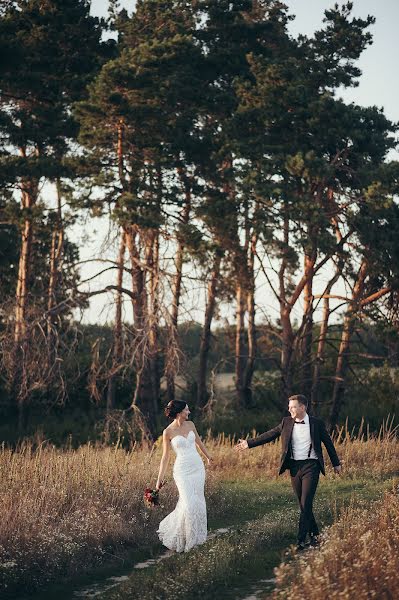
(304, 478)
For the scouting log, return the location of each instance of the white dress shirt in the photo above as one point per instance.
(301, 440)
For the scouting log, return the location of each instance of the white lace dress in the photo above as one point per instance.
(186, 526)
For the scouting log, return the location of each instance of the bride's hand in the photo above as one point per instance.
(242, 445)
(210, 462)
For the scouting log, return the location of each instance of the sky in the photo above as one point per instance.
(378, 86)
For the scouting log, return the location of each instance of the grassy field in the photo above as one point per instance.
(67, 512)
(231, 563)
(359, 557)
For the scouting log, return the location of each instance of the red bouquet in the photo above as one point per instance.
(151, 497)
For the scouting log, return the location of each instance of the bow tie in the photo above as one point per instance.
(299, 423)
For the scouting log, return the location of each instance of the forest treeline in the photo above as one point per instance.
(218, 147)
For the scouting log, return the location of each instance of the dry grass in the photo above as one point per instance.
(358, 559)
(360, 452)
(65, 510)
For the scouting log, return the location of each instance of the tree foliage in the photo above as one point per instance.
(218, 147)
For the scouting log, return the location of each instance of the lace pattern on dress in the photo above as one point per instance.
(186, 526)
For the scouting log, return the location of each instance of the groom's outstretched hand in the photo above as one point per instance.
(241, 445)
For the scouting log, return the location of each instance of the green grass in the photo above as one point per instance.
(263, 517)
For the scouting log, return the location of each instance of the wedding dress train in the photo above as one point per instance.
(186, 526)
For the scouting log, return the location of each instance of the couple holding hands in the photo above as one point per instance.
(301, 453)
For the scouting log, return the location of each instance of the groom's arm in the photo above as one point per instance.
(327, 441)
(266, 437)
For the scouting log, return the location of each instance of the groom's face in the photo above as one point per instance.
(296, 409)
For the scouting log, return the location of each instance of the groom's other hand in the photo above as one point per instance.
(242, 445)
(338, 469)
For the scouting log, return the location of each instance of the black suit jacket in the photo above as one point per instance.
(318, 434)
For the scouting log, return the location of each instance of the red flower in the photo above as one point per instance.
(151, 497)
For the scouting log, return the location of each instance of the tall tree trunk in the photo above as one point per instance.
(287, 334)
(333, 209)
(307, 330)
(120, 152)
(342, 365)
(56, 250)
(21, 300)
(287, 342)
(251, 334)
(139, 299)
(21, 379)
(117, 349)
(243, 284)
(143, 401)
(172, 357)
(21, 342)
(153, 316)
(202, 394)
(57, 245)
(315, 401)
(172, 344)
(240, 359)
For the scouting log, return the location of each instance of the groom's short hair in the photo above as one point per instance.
(299, 398)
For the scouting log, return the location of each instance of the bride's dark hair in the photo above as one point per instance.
(174, 408)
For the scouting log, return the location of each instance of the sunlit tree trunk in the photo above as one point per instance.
(342, 364)
(287, 334)
(20, 385)
(152, 263)
(172, 356)
(240, 358)
(315, 399)
(251, 333)
(117, 349)
(202, 394)
(55, 264)
(143, 394)
(57, 245)
(307, 329)
(25, 260)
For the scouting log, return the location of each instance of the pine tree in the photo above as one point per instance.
(45, 67)
(139, 122)
(309, 155)
(232, 34)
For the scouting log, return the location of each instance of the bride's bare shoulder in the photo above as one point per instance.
(167, 432)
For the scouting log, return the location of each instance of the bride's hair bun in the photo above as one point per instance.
(174, 407)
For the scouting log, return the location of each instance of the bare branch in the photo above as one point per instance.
(268, 278)
(109, 288)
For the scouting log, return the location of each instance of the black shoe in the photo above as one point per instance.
(301, 547)
(314, 541)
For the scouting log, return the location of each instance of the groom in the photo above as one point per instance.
(301, 437)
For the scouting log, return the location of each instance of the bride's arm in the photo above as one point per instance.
(164, 460)
(200, 445)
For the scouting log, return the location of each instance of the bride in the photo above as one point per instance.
(186, 526)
